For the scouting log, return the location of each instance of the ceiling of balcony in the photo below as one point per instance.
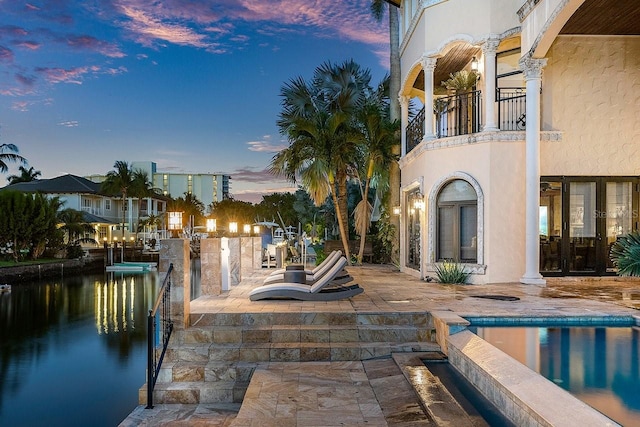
(594, 17)
(605, 17)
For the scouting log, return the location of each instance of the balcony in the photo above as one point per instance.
(462, 115)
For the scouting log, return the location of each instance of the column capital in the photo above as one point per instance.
(532, 67)
(490, 46)
(404, 100)
(428, 63)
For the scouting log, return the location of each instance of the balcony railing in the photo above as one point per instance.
(458, 114)
(415, 131)
(461, 115)
(511, 108)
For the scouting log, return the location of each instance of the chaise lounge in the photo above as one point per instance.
(312, 276)
(322, 290)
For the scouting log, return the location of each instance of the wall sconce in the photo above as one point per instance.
(396, 210)
(246, 229)
(211, 225)
(419, 205)
(474, 64)
(233, 227)
(256, 229)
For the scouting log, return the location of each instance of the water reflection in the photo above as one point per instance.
(600, 366)
(74, 349)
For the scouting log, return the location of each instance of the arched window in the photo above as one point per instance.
(457, 222)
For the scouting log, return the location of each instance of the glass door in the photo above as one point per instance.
(583, 235)
(580, 219)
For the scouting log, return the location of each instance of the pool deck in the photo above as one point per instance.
(358, 393)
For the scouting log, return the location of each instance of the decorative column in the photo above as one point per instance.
(176, 251)
(404, 122)
(257, 252)
(210, 266)
(428, 66)
(532, 69)
(234, 261)
(489, 53)
(246, 256)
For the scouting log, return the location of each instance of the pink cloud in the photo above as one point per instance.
(249, 174)
(6, 55)
(255, 196)
(266, 146)
(69, 75)
(28, 44)
(85, 42)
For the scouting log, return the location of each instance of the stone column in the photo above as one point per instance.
(428, 66)
(176, 252)
(404, 120)
(234, 261)
(210, 266)
(532, 69)
(246, 256)
(224, 264)
(489, 53)
(257, 252)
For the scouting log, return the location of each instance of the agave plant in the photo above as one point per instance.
(451, 272)
(625, 254)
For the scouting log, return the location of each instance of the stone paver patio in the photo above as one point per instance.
(309, 393)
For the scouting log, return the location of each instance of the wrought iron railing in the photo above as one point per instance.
(159, 328)
(415, 131)
(458, 114)
(512, 108)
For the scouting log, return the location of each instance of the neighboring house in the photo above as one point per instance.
(104, 212)
(535, 171)
(208, 188)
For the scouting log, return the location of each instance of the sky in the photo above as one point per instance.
(191, 85)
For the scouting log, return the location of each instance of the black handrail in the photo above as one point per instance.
(458, 114)
(512, 108)
(162, 305)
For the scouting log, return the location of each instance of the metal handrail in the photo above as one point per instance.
(512, 108)
(163, 306)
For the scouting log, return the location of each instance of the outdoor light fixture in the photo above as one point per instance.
(396, 210)
(175, 220)
(247, 229)
(256, 229)
(211, 225)
(474, 64)
(233, 227)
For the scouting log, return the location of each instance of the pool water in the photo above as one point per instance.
(598, 365)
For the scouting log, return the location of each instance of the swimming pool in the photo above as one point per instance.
(600, 365)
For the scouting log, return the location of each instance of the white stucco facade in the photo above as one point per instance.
(583, 90)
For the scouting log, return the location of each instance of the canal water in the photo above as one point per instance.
(73, 350)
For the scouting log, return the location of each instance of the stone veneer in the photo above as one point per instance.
(523, 396)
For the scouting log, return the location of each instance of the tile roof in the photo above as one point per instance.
(61, 184)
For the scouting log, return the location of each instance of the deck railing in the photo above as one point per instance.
(512, 108)
(415, 130)
(458, 114)
(159, 328)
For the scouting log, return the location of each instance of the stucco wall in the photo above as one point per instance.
(591, 92)
(499, 169)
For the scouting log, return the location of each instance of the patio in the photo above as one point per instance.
(285, 398)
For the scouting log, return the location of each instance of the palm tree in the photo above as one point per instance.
(377, 9)
(317, 118)
(26, 175)
(119, 182)
(76, 227)
(9, 153)
(379, 139)
(141, 187)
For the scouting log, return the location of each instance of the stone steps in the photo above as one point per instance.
(212, 361)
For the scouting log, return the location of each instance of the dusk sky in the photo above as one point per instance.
(191, 85)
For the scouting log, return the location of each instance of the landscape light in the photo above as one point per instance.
(211, 225)
(233, 227)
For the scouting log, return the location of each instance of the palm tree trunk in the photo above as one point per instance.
(343, 235)
(365, 198)
(394, 114)
(341, 178)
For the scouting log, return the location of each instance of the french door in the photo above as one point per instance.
(581, 218)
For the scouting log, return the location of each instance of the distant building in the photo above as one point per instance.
(207, 188)
(101, 210)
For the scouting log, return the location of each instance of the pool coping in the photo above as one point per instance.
(523, 396)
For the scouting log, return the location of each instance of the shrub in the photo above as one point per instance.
(451, 272)
(625, 254)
